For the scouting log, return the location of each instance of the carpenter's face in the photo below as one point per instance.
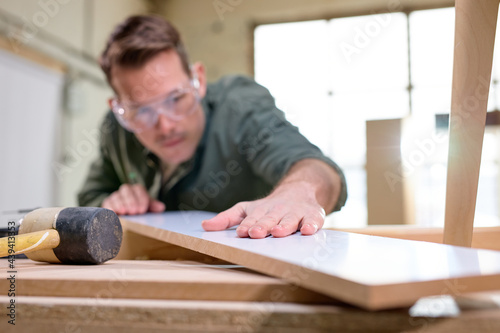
(161, 90)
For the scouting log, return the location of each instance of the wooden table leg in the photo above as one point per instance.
(474, 40)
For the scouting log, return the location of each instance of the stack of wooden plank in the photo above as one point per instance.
(219, 288)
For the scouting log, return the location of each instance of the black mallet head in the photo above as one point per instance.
(88, 235)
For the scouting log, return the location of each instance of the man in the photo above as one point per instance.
(173, 142)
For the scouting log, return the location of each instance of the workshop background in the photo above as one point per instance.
(368, 81)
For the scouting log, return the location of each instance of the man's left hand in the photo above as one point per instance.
(289, 208)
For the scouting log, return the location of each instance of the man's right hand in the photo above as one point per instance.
(131, 200)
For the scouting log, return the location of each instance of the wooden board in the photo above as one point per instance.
(475, 27)
(480, 300)
(389, 193)
(139, 247)
(65, 314)
(20, 49)
(174, 280)
(368, 271)
(483, 238)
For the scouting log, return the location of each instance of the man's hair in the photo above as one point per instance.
(137, 40)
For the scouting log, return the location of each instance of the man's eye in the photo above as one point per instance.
(144, 112)
(177, 98)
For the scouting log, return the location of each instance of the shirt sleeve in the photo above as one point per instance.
(267, 140)
(102, 179)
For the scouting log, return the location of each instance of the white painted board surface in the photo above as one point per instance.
(368, 271)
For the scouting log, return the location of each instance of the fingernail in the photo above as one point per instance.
(254, 229)
(314, 226)
(241, 229)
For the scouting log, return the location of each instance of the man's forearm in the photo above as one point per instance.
(313, 177)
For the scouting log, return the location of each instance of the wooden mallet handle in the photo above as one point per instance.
(25, 243)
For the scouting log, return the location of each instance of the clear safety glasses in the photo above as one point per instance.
(177, 105)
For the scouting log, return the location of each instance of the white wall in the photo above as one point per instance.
(30, 97)
(220, 32)
(84, 26)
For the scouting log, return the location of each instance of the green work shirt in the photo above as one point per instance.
(246, 148)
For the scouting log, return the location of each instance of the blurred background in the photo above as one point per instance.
(368, 81)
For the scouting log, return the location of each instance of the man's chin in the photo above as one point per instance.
(176, 158)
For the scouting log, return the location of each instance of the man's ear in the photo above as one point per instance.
(110, 103)
(199, 70)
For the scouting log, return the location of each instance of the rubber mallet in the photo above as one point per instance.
(74, 235)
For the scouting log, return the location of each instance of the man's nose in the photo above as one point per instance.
(164, 123)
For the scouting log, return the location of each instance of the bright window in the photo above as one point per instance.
(331, 76)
